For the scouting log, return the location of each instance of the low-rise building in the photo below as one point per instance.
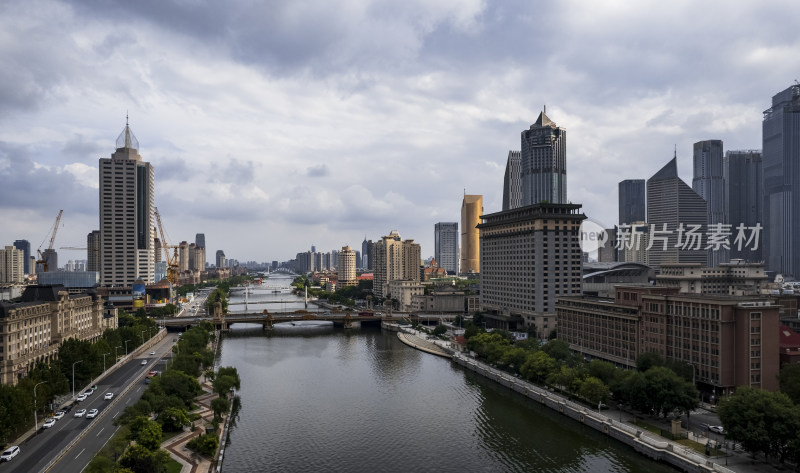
(403, 291)
(729, 341)
(33, 328)
(734, 278)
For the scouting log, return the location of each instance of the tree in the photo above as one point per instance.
(219, 406)
(645, 361)
(440, 330)
(140, 460)
(604, 371)
(205, 444)
(538, 366)
(593, 390)
(790, 381)
(566, 378)
(173, 419)
(145, 432)
(559, 350)
(225, 379)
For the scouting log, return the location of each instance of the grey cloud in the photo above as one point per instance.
(79, 148)
(320, 170)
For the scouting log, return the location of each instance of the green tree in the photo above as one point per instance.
(220, 406)
(141, 460)
(559, 350)
(604, 371)
(440, 330)
(205, 444)
(145, 432)
(790, 381)
(538, 366)
(645, 361)
(593, 390)
(565, 378)
(173, 419)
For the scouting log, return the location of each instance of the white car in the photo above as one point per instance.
(49, 423)
(89, 392)
(108, 396)
(144, 362)
(152, 353)
(91, 414)
(717, 428)
(10, 453)
(79, 413)
(81, 397)
(59, 415)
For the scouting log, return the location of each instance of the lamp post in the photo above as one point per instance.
(35, 418)
(104, 361)
(116, 353)
(143, 331)
(126, 347)
(73, 376)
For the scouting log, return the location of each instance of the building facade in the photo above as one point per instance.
(93, 251)
(25, 246)
(745, 198)
(32, 330)
(673, 209)
(471, 210)
(404, 291)
(445, 242)
(126, 215)
(394, 259)
(728, 341)
(530, 256)
(12, 265)
(347, 267)
(544, 163)
(366, 248)
(780, 155)
(512, 181)
(632, 201)
(220, 259)
(734, 278)
(709, 183)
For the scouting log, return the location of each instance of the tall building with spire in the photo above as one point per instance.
(671, 206)
(126, 215)
(780, 158)
(544, 163)
(512, 181)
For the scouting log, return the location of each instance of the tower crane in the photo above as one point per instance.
(52, 234)
(172, 261)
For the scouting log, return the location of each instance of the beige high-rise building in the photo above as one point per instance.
(12, 265)
(471, 211)
(347, 267)
(199, 260)
(126, 215)
(183, 256)
(394, 259)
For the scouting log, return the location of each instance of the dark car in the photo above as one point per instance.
(68, 408)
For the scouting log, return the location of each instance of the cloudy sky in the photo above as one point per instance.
(276, 125)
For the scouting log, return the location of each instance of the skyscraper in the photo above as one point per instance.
(632, 206)
(347, 267)
(394, 259)
(709, 183)
(25, 246)
(445, 238)
(12, 265)
(200, 240)
(93, 251)
(745, 191)
(671, 206)
(126, 215)
(365, 252)
(512, 182)
(183, 256)
(471, 211)
(544, 163)
(781, 155)
(220, 259)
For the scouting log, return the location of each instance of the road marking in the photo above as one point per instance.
(76, 456)
(115, 415)
(101, 431)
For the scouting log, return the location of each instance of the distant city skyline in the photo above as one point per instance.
(271, 136)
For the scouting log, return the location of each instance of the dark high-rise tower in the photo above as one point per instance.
(445, 239)
(544, 163)
(365, 253)
(512, 182)
(632, 206)
(25, 246)
(672, 203)
(709, 183)
(745, 192)
(200, 240)
(781, 166)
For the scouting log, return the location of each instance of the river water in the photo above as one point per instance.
(351, 401)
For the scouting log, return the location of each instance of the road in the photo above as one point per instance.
(37, 452)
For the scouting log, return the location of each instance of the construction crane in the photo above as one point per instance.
(172, 262)
(52, 234)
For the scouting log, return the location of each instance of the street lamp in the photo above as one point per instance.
(143, 331)
(116, 354)
(35, 418)
(126, 347)
(104, 361)
(73, 376)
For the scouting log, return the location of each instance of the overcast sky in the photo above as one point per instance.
(276, 125)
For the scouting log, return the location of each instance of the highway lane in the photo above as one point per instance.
(47, 443)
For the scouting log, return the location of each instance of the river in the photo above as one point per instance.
(359, 400)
